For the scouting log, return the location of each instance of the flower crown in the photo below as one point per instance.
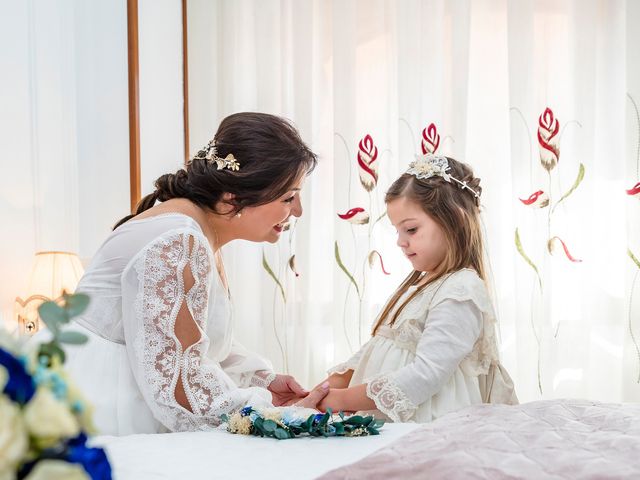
(430, 165)
(209, 154)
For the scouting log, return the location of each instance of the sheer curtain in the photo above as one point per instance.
(483, 73)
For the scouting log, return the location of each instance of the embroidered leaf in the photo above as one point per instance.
(378, 219)
(579, 179)
(292, 265)
(526, 257)
(633, 257)
(344, 269)
(266, 266)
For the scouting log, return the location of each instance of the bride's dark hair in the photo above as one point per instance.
(271, 156)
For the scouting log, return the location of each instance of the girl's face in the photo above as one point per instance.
(419, 236)
(266, 222)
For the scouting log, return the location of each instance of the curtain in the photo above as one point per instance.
(539, 97)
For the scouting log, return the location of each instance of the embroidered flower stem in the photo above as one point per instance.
(635, 109)
(630, 322)
(269, 270)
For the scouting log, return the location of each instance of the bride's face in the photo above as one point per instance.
(266, 223)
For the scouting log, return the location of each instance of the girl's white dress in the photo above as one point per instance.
(132, 363)
(427, 363)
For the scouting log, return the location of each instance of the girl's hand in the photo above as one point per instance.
(285, 390)
(339, 380)
(347, 400)
(314, 397)
(334, 400)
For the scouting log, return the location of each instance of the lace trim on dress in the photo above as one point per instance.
(390, 399)
(262, 379)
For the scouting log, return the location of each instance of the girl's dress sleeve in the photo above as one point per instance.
(454, 324)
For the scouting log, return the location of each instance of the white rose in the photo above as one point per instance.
(13, 437)
(57, 470)
(48, 419)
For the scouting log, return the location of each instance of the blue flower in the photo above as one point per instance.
(93, 460)
(318, 417)
(245, 411)
(20, 387)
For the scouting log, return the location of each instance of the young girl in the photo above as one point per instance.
(433, 347)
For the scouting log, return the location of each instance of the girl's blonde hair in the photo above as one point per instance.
(456, 211)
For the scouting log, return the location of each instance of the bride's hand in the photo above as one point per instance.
(314, 397)
(286, 390)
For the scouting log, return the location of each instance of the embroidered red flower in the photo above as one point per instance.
(538, 199)
(372, 257)
(368, 167)
(552, 244)
(634, 191)
(356, 216)
(548, 128)
(430, 139)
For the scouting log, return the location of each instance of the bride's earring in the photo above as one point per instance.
(239, 214)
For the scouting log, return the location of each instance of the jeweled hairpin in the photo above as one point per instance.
(429, 165)
(209, 154)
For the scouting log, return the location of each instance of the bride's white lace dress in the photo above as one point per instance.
(145, 273)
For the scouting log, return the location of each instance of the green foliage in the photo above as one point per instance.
(319, 425)
(55, 315)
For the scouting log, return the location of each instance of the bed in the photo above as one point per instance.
(556, 439)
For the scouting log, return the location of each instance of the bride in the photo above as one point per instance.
(161, 354)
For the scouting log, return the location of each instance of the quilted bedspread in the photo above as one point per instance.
(555, 439)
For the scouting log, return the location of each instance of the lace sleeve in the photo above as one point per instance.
(451, 331)
(165, 317)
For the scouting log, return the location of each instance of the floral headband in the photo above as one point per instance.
(209, 154)
(430, 165)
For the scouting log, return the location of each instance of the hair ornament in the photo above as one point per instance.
(430, 165)
(209, 154)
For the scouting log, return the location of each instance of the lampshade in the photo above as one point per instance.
(53, 273)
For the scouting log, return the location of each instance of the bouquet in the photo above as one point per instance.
(44, 420)
(289, 422)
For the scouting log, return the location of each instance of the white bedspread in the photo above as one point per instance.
(555, 439)
(218, 454)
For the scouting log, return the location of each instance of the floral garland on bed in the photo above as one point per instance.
(44, 420)
(290, 422)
